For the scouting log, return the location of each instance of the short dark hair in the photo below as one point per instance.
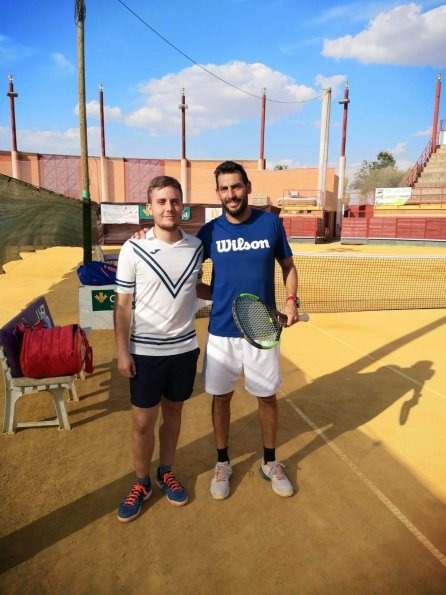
(163, 182)
(231, 167)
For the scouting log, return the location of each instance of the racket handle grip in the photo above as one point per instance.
(303, 317)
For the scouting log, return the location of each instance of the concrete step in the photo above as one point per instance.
(434, 168)
(437, 158)
(428, 184)
(419, 190)
(439, 180)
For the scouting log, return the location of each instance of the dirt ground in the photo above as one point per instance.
(362, 418)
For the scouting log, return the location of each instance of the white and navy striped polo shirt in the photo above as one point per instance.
(163, 279)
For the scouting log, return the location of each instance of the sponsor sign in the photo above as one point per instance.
(120, 214)
(212, 213)
(102, 299)
(146, 213)
(392, 196)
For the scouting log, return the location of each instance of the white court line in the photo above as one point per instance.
(375, 491)
(372, 359)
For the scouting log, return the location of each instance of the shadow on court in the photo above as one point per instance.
(338, 403)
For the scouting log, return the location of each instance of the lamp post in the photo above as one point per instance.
(104, 163)
(323, 147)
(14, 155)
(341, 186)
(80, 12)
(261, 163)
(184, 182)
(436, 110)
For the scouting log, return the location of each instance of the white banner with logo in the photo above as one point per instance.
(212, 213)
(120, 214)
(392, 196)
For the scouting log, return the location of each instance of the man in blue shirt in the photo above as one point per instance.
(243, 244)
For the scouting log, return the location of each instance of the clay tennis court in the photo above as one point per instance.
(362, 435)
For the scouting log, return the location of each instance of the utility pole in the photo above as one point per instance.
(341, 186)
(436, 110)
(323, 148)
(261, 162)
(184, 171)
(104, 163)
(80, 13)
(14, 155)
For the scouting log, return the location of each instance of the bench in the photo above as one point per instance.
(17, 385)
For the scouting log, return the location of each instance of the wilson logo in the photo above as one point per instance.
(240, 244)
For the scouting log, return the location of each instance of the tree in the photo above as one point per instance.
(382, 173)
(384, 159)
(280, 166)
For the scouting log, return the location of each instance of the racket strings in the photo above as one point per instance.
(257, 321)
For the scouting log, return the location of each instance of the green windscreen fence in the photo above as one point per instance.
(33, 218)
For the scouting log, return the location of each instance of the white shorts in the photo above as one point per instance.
(226, 357)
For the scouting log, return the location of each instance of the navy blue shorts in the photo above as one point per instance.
(169, 376)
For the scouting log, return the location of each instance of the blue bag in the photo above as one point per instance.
(97, 273)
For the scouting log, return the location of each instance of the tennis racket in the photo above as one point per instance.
(259, 323)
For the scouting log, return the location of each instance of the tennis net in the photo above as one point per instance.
(360, 282)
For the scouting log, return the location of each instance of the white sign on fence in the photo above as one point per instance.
(212, 213)
(120, 214)
(392, 196)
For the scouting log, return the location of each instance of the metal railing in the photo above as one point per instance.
(419, 165)
(422, 160)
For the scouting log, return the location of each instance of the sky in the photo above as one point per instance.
(223, 54)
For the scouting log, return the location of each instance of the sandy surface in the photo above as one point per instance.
(362, 418)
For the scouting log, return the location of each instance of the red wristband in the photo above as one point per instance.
(295, 299)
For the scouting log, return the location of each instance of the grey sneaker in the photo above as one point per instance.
(220, 481)
(274, 473)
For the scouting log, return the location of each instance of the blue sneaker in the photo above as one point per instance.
(130, 508)
(174, 490)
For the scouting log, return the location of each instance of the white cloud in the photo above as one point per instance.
(65, 142)
(398, 149)
(426, 132)
(62, 63)
(335, 82)
(404, 164)
(403, 36)
(93, 111)
(212, 104)
(11, 51)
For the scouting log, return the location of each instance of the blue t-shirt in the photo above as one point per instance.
(243, 257)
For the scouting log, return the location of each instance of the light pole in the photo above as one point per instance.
(341, 185)
(80, 12)
(104, 164)
(261, 163)
(323, 147)
(184, 182)
(436, 110)
(14, 155)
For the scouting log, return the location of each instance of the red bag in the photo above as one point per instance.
(54, 351)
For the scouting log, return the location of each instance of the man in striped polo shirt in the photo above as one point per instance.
(157, 347)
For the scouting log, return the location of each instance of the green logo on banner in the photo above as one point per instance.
(102, 299)
(144, 213)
